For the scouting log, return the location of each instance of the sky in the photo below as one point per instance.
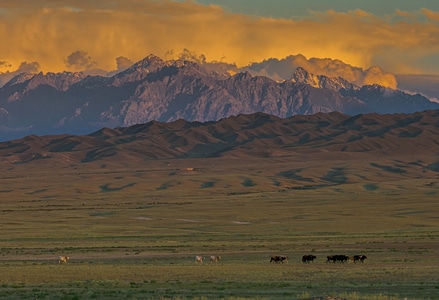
(295, 9)
(101, 36)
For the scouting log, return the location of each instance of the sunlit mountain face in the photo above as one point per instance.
(154, 89)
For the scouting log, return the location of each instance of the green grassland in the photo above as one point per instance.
(132, 231)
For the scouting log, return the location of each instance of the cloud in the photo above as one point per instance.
(24, 67)
(187, 54)
(376, 75)
(51, 32)
(5, 64)
(283, 69)
(123, 63)
(431, 15)
(79, 60)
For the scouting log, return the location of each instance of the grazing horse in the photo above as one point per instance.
(308, 258)
(199, 259)
(279, 259)
(359, 258)
(63, 259)
(341, 258)
(215, 259)
(337, 258)
(330, 258)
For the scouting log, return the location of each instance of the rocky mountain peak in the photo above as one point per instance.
(188, 67)
(192, 68)
(242, 76)
(139, 70)
(20, 85)
(60, 81)
(150, 63)
(321, 81)
(20, 78)
(303, 76)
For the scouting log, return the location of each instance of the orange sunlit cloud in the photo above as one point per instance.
(108, 35)
(282, 70)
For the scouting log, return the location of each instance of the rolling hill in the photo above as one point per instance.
(251, 135)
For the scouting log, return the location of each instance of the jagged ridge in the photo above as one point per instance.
(165, 91)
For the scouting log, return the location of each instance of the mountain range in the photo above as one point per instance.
(246, 136)
(157, 90)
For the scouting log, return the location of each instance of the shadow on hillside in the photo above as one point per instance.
(389, 169)
(106, 187)
(335, 175)
(370, 187)
(293, 174)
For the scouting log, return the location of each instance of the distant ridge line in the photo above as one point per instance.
(245, 135)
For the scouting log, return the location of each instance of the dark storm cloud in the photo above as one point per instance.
(79, 60)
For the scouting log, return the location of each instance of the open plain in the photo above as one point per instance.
(132, 207)
(132, 231)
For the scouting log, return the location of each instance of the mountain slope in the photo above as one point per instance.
(254, 135)
(154, 89)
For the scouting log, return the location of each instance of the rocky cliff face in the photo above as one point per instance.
(154, 89)
(321, 81)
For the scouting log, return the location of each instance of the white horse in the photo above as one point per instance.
(63, 259)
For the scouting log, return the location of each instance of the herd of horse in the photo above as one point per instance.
(346, 258)
(308, 258)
